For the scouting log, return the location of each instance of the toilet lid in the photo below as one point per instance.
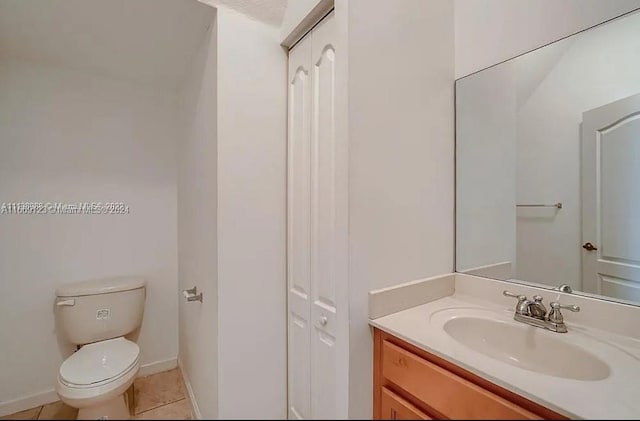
(99, 361)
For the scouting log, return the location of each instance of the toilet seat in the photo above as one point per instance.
(98, 373)
(99, 363)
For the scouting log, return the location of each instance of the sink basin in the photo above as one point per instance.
(526, 347)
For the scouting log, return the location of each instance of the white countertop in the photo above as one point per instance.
(615, 397)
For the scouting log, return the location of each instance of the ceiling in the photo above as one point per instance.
(151, 41)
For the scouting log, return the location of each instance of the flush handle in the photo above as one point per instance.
(66, 303)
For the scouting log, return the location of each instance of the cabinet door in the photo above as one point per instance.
(444, 391)
(396, 408)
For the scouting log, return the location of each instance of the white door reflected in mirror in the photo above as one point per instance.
(611, 199)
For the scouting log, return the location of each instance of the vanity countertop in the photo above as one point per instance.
(614, 397)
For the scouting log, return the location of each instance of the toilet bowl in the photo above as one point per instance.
(95, 378)
(96, 315)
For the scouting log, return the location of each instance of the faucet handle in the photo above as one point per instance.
(555, 316)
(523, 304)
(520, 297)
(557, 306)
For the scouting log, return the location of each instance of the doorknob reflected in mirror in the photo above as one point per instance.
(589, 247)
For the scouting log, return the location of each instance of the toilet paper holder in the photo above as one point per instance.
(191, 294)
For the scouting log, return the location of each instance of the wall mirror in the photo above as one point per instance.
(548, 165)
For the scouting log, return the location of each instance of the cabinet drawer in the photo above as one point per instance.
(393, 407)
(443, 391)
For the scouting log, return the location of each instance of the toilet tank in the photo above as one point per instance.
(99, 309)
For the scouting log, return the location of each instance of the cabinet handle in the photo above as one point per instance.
(323, 320)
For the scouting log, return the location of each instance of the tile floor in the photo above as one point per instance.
(157, 397)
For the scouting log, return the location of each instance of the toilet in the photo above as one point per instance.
(96, 315)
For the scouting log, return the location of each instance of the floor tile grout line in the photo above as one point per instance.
(164, 404)
(159, 406)
(41, 408)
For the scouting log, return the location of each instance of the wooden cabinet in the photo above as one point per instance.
(412, 384)
(393, 407)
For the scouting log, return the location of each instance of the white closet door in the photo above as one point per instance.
(316, 231)
(323, 222)
(299, 232)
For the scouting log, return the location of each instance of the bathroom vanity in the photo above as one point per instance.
(450, 347)
(412, 384)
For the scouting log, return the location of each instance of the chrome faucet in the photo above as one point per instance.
(534, 313)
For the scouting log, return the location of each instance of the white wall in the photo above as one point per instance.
(486, 192)
(69, 136)
(267, 11)
(598, 67)
(490, 31)
(400, 82)
(252, 70)
(232, 219)
(197, 228)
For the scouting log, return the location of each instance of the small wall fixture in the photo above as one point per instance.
(191, 294)
(555, 205)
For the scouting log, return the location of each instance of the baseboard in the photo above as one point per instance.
(157, 367)
(192, 398)
(28, 402)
